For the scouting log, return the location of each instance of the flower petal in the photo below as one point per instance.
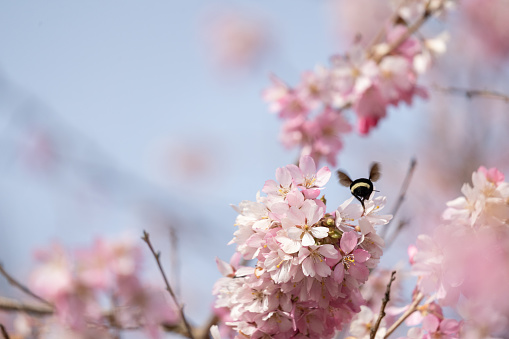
(348, 242)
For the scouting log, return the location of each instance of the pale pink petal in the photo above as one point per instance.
(322, 269)
(348, 242)
(270, 187)
(311, 193)
(339, 273)
(224, 268)
(289, 246)
(334, 260)
(308, 268)
(359, 272)
(430, 323)
(295, 233)
(295, 199)
(328, 251)
(320, 232)
(296, 173)
(296, 216)
(323, 176)
(284, 176)
(449, 326)
(307, 166)
(308, 240)
(361, 255)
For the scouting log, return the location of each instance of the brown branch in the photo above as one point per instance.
(21, 287)
(5, 335)
(471, 93)
(408, 312)
(385, 300)
(204, 332)
(157, 256)
(11, 305)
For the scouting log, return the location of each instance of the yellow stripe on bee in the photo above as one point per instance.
(360, 184)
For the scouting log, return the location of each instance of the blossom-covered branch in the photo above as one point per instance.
(310, 264)
(367, 80)
(467, 278)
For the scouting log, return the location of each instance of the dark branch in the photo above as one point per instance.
(385, 300)
(20, 286)
(471, 93)
(5, 335)
(157, 256)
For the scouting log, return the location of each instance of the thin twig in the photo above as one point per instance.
(408, 312)
(20, 286)
(385, 300)
(471, 93)
(5, 335)
(402, 194)
(157, 256)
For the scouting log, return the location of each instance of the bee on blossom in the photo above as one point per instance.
(361, 188)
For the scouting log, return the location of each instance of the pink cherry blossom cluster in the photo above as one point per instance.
(368, 80)
(433, 324)
(309, 265)
(78, 287)
(468, 256)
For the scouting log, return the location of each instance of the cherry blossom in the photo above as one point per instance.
(107, 269)
(363, 322)
(467, 277)
(307, 272)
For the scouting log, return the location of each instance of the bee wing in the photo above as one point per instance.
(374, 172)
(344, 179)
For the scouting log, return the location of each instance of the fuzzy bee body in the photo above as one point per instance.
(361, 188)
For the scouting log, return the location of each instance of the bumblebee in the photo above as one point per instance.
(361, 188)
